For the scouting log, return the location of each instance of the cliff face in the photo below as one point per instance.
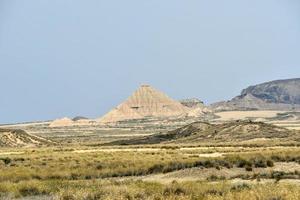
(274, 95)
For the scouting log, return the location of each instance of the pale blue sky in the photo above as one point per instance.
(73, 57)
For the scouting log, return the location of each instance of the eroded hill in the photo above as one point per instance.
(19, 138)
(203, 132)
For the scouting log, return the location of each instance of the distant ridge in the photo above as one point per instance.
(145, 102)
(273, 95)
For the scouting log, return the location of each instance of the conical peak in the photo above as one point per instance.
(146, 102)
(147, 94)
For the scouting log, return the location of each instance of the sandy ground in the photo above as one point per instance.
(241, 115)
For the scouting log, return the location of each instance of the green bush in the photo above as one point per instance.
(241, 163)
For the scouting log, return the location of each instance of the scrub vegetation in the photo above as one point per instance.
(134, 173)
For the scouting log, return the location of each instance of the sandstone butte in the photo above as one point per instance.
(146, 102)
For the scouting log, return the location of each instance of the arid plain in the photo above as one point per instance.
(153, 147)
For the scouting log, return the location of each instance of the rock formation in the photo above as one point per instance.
(280, 91)
(77, 121)
(274, 95)
(192, 103)
(19, 138)
(198, 109)
(143, 103)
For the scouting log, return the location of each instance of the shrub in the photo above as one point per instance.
(99, 166)
(19, 159)
(270, 163)
(239, 187)
(248, 168)
(6, 160)
(214, 192)
(30, 191)
(208, 164)
(259, 163)
(277, 175)
(242, 163)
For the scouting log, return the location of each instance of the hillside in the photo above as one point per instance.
(236, 131)
(274, 95)
(280, 91)
(19, 138)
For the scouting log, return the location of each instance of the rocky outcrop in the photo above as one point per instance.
(192, 103)
(198, 109)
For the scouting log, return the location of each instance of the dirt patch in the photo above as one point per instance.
(242, 115)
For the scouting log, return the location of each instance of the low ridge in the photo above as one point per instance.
(201, 132)
(19, 138)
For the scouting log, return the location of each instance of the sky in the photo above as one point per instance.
(71, 57)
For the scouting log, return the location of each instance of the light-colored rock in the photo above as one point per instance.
(145, 102)
(65, 122)
(20, 138)
(62, 122)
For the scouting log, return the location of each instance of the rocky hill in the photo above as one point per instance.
(274, 95)
(147, 102)
(19, 138)
(202, 132)
(280, 91)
